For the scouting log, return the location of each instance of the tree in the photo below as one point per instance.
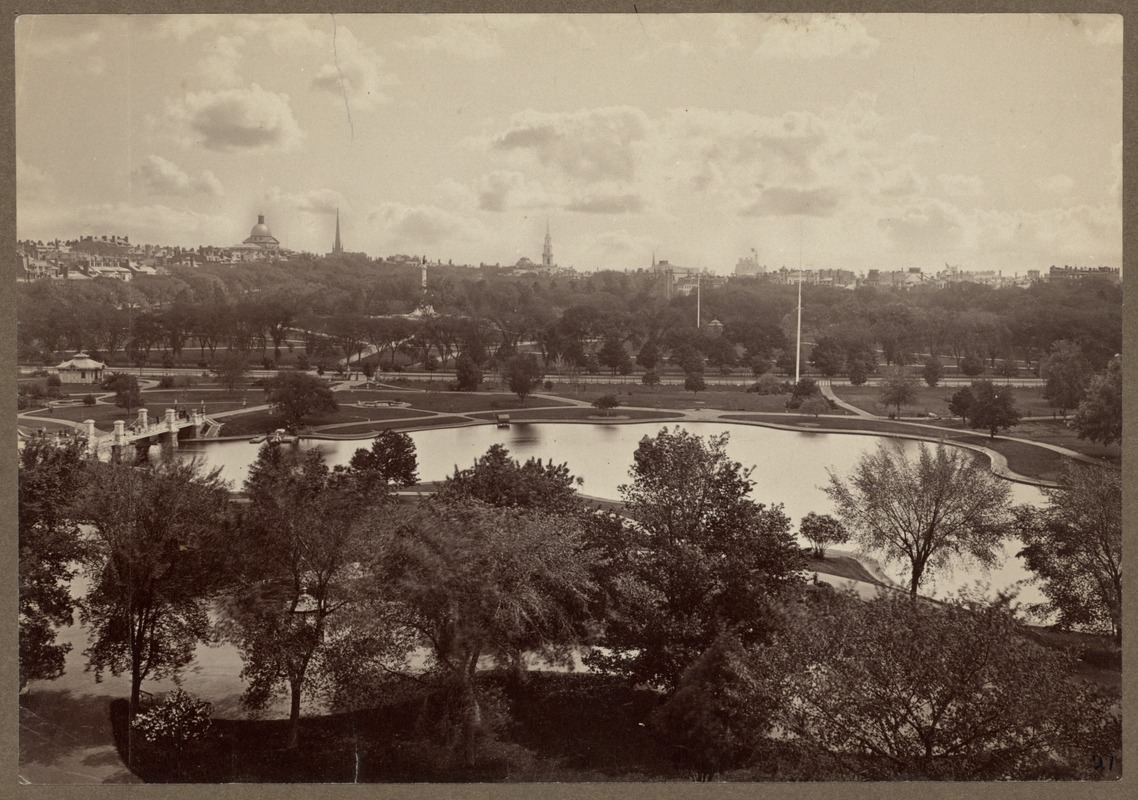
(296, 395)
(694, 384)
(523, 375)
(700, 557)
(606, 403)
(50, 477)
(499, 480)
(960, 404)
(467, 374)
(971, 365)
(943, 505)
(932, 371)
(390, 462)
(828, 355)
(892, 690)
(822, 530)
(1066, 374)
(128, 395)
(898, 388)
(648, 356)
(472, 580)
(1074, 547)
(157, 546)
(300, 568)
(230, 370)
(858, 372)
(717, 716)
(650, 378)
(612, 353)
(815, 404)
(993, 408)
(1099, 416)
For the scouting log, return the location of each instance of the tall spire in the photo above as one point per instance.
(337, 247)
(547, 250)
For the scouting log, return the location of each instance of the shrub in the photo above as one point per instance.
(650, 378)
(548, 386)
(88, 399)
(53, 382)
(767, 384)
(167, 361)
(177, 721)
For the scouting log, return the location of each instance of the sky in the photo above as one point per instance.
(882, 141)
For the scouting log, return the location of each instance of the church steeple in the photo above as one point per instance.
(337, 247)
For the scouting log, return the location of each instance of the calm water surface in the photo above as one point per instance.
(790, 467)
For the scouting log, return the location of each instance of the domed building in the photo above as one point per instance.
(260, 236)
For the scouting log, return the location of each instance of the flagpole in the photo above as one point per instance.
(798, 337)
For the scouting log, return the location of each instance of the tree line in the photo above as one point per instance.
(332, 587)
(598, 321)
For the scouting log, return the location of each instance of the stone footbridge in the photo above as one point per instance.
(144, 432)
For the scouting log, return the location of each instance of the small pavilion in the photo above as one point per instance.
(80, 368)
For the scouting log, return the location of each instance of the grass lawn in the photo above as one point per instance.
(379, 425)
(591, 414)
(447, 402)
(155, 397)
(103, 414)
(265, 420)
(1029, 400)
(674, 397)
(1026, 459)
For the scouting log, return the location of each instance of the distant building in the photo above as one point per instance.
(337, 247)
(261, 237)
(750, 265)
(1066, 273)
(80, 368)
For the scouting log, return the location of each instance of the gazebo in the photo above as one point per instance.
(80, 368)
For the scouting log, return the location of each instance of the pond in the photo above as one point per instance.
(790, 467)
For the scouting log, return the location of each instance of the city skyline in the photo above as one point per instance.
(867, 141)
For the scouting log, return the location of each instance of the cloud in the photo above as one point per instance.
(161, 177)
(901, 182)
(620, 244)
(62, 35)
(157, 224)
(1056, 184)
(423, 225)
(315, 201)
(183, 26)
(780, 201)
(961, 185)
(31, 181)
(219, 66)
(504, 189)
(592, 145)
(816, 36)
(353, 73)
(928, 228)
(607, 201)
(460, 38)
(231, 120)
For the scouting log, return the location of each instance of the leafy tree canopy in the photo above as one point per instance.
(923, 511)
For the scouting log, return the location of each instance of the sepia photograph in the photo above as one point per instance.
(568, 398)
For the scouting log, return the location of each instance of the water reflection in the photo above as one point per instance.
(790, 467)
